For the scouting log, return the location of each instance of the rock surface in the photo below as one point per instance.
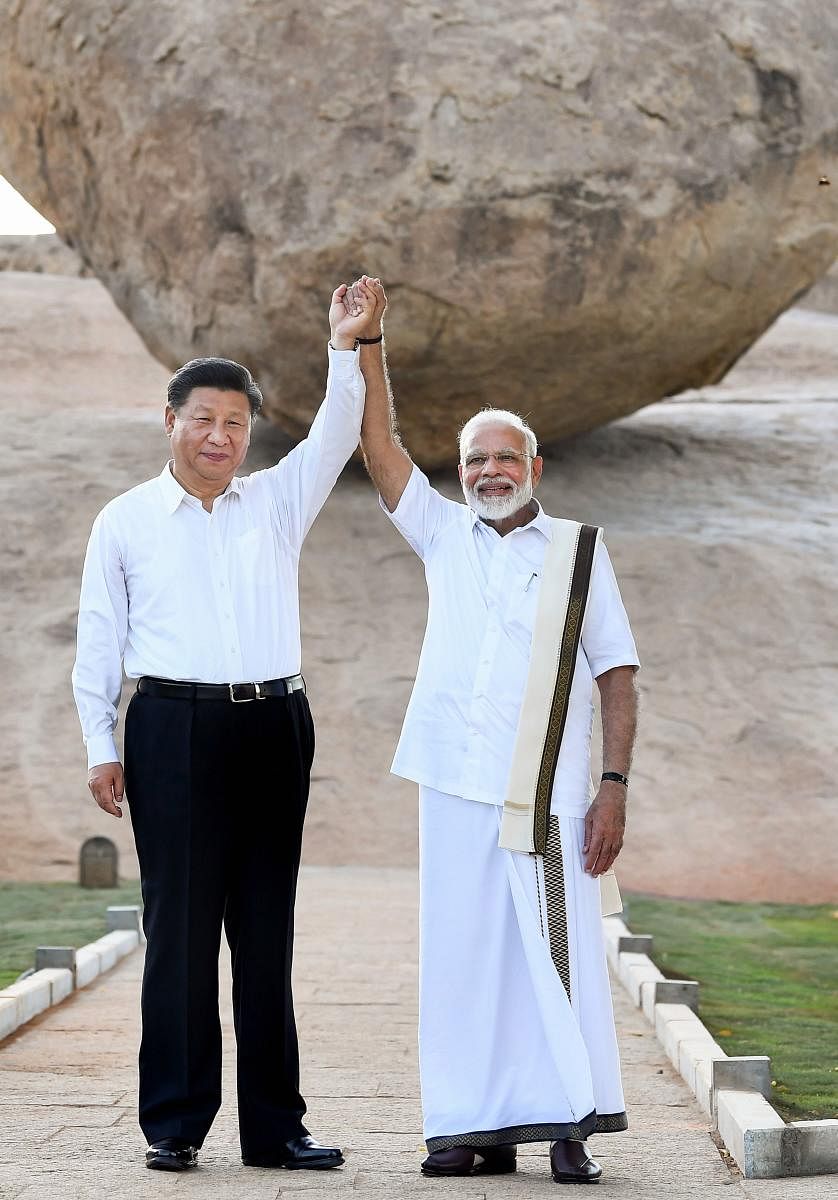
(578, 207)
(40, 253)
(823, 297)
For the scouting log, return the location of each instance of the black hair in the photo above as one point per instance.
(220, 373)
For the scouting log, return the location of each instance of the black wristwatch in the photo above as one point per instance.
(615, 777)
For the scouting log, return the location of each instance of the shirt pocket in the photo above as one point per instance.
(256, 557)
(521, 607)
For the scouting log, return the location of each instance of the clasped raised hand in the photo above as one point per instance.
(368, 290)
(351, 314)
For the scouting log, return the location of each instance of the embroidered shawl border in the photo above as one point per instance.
(566, 576)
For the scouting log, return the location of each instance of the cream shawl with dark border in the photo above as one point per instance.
(563, 596)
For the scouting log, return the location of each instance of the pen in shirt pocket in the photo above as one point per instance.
(533, 576)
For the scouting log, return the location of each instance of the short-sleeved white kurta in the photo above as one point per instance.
(460, 726)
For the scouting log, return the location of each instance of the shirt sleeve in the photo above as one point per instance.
(102, 632)
(606, 634)
(422, 512)
(302, 481)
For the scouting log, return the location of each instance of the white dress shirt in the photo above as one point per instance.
(460, 726)
(182, 593)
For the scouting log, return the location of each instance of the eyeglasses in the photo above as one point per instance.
(477, 459)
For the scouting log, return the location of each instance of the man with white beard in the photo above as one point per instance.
(516, 1030)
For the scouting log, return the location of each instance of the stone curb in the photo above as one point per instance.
(51, 983)
(733, 1091)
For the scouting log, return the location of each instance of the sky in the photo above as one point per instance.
(16, 216)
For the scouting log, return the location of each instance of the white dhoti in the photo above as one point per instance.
(516, 1027)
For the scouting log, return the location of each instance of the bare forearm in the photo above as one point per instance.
(618, 697)
(384, 456)
(605, 821)
(379, 424)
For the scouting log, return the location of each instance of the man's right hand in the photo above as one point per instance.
(368, 289)
(107, 786)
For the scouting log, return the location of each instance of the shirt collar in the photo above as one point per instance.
(174, 494)
(540, 521)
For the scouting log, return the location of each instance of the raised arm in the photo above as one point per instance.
(302, 481)
(386, 459)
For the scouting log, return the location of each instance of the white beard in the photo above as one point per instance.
(498, 508)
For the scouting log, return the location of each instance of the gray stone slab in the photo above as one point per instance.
(55, 956)
(635, 943)
(677, 991)
(124, 916)
(810, 1147)
(745, 1073)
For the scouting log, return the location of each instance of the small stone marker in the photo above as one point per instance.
(98, 863)
(677, 991)
(55, 956)
(123, 916)
(635, 943)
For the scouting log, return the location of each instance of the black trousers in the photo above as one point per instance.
(217, 794)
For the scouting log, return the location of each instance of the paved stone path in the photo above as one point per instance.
(68, 1127)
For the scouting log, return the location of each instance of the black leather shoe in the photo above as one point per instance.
(572, 1163)
(301, 1153)
(467, 1160)
(171, 1154)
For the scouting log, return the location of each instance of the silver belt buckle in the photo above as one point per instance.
(245, 699)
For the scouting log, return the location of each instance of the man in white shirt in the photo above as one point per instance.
(190, 580)
(516, 1030)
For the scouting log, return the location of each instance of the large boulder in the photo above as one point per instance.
(577, 208)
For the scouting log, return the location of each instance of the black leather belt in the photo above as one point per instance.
(237, 693)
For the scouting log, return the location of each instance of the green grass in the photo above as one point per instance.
(52, 914)
(769, 985)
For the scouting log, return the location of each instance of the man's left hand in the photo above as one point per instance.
(368, 290)
(605, 824)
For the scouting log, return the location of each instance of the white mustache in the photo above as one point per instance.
(508, 500)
